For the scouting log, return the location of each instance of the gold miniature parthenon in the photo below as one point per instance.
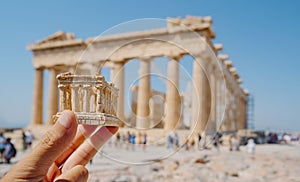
(93, 100)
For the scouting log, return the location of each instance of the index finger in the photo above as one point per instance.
(85, 152)
(83, 132)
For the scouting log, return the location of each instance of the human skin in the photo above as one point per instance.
(62, 153)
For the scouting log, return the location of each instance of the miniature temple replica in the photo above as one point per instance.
(92, 99)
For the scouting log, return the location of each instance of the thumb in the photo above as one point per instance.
(54, 142)
(36, 165)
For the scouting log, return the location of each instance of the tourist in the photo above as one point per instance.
(175, 140)
(28, 139)
(169, 140)
(24, 140)
(186, 143)
(199, 141)
(61, 154)
(10, 150)
(230, 142)
(117, 140)
(287, 138)
(192, 143)
(216, 141)
(127, 140)
(2, 146)
(144, 141)
(139, 138)
(235, 143)
(251, 146)
(132, 140)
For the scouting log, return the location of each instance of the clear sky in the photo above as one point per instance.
(261, 37)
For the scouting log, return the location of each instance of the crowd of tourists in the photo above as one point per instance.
(129, 140)
(7, 149)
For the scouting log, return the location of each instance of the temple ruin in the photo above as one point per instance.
(218, 98)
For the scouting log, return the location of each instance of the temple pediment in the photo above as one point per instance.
(57, 36)
(56, 40)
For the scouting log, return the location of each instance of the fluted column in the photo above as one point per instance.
(37, 107)
(86, 99)
(53, 95)
(172, 95)
(99, 100)
(201, 99)
(117, 77)
(144, 92)
(212, 125)
(245, 111)
(65, 98)
(218, 101)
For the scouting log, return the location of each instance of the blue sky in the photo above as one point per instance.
(261, 37)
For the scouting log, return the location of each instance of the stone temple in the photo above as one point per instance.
(217, 100)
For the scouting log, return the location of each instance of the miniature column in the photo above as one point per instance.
(173, 100)
(117, 77)
(37, 107)
(201, 101)
(99, 100)
(75, 98)
(144, 91)
(53, 95)
(86, 99)
(65, 99)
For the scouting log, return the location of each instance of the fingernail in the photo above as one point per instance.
(66, 119)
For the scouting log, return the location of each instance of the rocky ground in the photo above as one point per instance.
(269, 163)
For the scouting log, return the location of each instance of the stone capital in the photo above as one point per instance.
(147, 58)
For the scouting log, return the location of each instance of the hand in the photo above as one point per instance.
(62, 153)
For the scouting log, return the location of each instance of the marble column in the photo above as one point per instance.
(212, 125)
(223, 103)
(117, 77)
(218, 101)
(37, 107)
(53, 95)
(228, 109)
(245, 111)
(242, 116)
(144, 93)
(201, 101)
(173, 100)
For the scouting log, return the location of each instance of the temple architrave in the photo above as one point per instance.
(218, 100)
